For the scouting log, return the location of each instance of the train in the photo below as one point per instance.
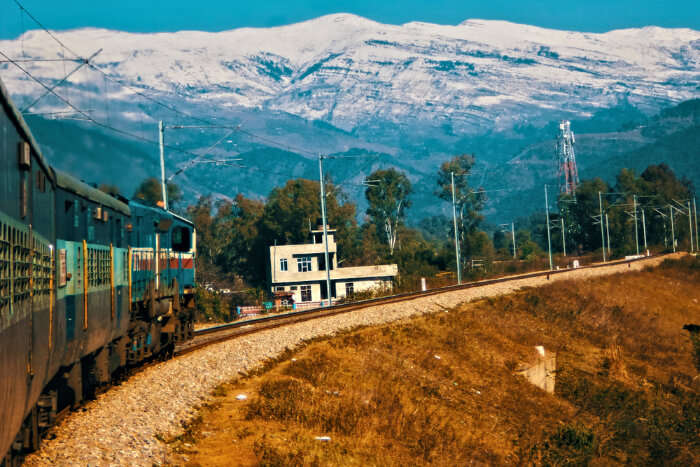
(90, 285)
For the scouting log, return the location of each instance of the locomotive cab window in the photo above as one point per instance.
(181, 239)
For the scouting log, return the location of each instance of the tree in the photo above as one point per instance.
(662, 187)
(151, 192)
(112, 190)
(237, 224)
(201, 215)
(580, 213)
(469, 202)
(290, 211)
(388, 200)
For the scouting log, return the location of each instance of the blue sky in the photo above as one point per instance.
(216, 15)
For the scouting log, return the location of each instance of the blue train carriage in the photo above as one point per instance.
(27, 315)
(162, 277)
(92, 297)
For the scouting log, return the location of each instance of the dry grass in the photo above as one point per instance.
(627, 389)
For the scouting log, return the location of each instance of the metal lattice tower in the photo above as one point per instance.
(568, 172)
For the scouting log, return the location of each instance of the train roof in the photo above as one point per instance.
(16, 115)
(69, 183)
(141, 205)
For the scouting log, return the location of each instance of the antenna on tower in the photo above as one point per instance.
(568, 172)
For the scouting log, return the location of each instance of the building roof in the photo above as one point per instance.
(69, 183)
(23, 128)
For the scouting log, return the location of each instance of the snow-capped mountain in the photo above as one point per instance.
(352, 72)
(416, 93)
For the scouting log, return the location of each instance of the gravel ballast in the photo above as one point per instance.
(120, 426)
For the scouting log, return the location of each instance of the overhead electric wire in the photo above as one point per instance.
(138, 91)
(90, 118)
(85, 62)
(21, 7)
(25, 60)
(198, 159)
(270, 141)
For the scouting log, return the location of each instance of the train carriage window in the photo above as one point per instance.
(120, 233)
(88, 216)
(41, 272)
(23, 196)
(125, 266)
(181, 239)
(21, 258)
(76, 214)
(41, 181)
(4, 270)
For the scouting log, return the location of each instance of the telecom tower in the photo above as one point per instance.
(568, 172)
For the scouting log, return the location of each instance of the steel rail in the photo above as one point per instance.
(231, 330)
(206, 337)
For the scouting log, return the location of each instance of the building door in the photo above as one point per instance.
(305, 293)
(324, 290)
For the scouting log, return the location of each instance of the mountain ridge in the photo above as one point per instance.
(418, 93)
(310, 69)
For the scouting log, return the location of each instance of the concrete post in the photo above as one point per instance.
(325, 229)
(602, 234)
(454, 218)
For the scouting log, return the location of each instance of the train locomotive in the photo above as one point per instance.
(90, 284)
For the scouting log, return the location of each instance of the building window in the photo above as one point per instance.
(304, 263)
(349, 289)
(283, 264)
(305, 293)
(294, 287)
(280, 289)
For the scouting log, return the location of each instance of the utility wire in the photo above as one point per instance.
(90, 118)
(270, 141)
(24, 60)
(169, 107)
(85, 62)
(21, 7)
(146, 96)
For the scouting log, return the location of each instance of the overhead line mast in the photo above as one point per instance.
(568, 171)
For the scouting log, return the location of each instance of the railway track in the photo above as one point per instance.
(184, 381)
(209, 336)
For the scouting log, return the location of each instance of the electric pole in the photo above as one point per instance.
(549, 237)
(602, 234)
(695, 213)
(325, 228)
(512, 228)
(607, 231)
(563, 236)
(161, 131)
(636, 225)
(673, 232)
(644, 229)
(454, 219)
(690, 226)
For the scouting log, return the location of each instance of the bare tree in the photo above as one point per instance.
(388, 200)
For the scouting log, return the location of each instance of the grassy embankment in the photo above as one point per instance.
(627, 389)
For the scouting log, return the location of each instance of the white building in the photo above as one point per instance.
(301, 269)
